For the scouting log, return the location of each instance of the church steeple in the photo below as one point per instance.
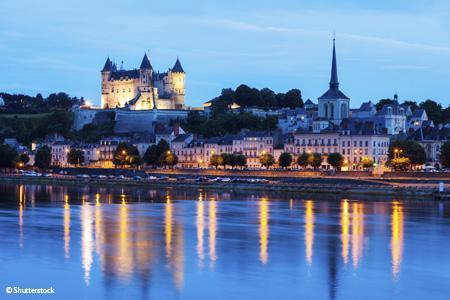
(334, 82)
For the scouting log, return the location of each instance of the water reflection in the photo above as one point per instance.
(200, 228)
(345, 229)
(263, 230)
(397, 237)
(309, 230)
(86, 241)
(212, 230)
(357, 233)
(66, 227)
(162, 242)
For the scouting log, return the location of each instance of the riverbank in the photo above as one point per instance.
(335, 186)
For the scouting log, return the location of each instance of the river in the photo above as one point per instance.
(137, 243)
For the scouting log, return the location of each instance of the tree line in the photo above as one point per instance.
(19, 103)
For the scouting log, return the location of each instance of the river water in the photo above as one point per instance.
(136, 243)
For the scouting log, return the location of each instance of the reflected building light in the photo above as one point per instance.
(97, 199)
(212, 230)
(263, 230)
(66, 227)
(309, 230)
(396, 238)
(168, 219)
(291, 204)
(357, 233)
(178, 259)
(86, 241)
(22, 202)
(200, 228)
(345, 229)
(125, 258)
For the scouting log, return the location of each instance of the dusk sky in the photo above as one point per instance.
(383, 46)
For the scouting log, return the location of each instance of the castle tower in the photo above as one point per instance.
(106, 74)
(145, 84)
(334, 105)
(178, 84)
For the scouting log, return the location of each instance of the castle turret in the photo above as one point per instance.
(178, 84)
(106, 74)
(145, 84)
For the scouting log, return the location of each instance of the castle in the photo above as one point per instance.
(143, 88)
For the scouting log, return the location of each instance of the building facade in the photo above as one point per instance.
(143, 88)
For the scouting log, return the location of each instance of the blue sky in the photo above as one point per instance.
(383, 46)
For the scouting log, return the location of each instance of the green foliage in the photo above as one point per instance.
(400, 163)
(384, 102)
(228, 123)
(246, 96)
(153, 153)
(336, 160)
(315, 160)
(126, 154)
(285, 160)
(267, 160)
(24, 158)
(367, 163)
(216, 160)
(445, 155)
(28, 104)
(8, 157)
(75, 157)
(241, 160)
(434, 111)
(32, 127)
(302, 160)
(43, 158)
(92, 133)
(410, 149)
(168, 159)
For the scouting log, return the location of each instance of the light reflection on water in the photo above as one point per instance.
(149, 242)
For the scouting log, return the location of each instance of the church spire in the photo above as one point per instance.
(334, 82)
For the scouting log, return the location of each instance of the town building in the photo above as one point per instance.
(431, 138)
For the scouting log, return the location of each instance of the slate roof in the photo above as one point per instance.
(418, 113)
(181, 138)
(366, 106)
(145, 64)
(431, 134)
(108, 65)
(130, 74)
(395, 109)
(177, 67)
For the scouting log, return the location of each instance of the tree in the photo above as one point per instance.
(43, 158)
(267, 160)
(151, 155)
(8, 157)
(367, 163)
(226, 159)
(400, 163)
(246, 96)
(315, 160)
(268, 98)
(336, 160)
(433, 109)
(293, 99)
(125, 154)
(24, 158)
(75, 156)
(241, 160)
(445, 155)
(303, 160)
(216, 160)
(410, 149)
(412, 104)
(384, 102)
(168, 158)
(285, 160)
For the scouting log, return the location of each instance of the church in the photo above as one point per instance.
(143, 88)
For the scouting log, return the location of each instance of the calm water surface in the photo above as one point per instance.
(113, 243)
